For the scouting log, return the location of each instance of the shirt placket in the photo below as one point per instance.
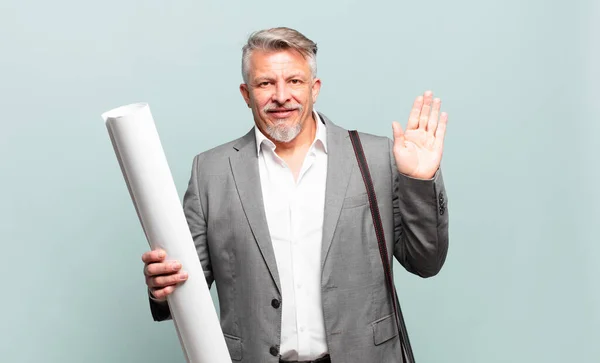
(287, 191)
(299, 273)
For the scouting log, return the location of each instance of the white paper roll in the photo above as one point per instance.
(150, 183)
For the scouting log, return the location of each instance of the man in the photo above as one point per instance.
(280, 219)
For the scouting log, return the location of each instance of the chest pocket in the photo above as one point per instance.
(355, 201)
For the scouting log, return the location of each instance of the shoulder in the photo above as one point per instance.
(368, 140)
(374, 141)
(377, 149)
(216, 159)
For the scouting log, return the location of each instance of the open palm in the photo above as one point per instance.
(418, 150)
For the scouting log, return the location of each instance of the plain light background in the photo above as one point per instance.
(519, 80)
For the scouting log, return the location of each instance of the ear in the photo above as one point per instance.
(245, 94)
(316, 88)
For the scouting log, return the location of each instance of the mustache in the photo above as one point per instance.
(286, 106)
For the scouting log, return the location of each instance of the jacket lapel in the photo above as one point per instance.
(340, 164)
(244, 166)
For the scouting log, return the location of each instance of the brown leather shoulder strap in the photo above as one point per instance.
(366, 175)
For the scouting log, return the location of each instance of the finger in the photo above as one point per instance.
(398, 134)
(413, 118)
(162, 268)
(164, 292)
(154, 256)
(440, 132)
(426, 110)
(166, 280)
(433, 118)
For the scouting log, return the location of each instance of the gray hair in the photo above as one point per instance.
(279, 39)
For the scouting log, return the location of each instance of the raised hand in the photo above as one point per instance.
(418, 150)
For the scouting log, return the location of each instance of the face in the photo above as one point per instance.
(281, 93)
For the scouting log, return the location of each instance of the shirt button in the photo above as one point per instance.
(274, 350)
(301, 329)
(275, 303)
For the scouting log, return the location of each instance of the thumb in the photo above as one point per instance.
(398, 133)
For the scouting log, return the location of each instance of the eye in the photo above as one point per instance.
(264, 84)
(296, 81)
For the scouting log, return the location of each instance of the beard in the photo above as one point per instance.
(281, 130)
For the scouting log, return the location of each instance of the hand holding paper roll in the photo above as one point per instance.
(162, 277)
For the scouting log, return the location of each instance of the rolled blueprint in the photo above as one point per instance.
(151, 187)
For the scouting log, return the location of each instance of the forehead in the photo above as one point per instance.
(281, 61)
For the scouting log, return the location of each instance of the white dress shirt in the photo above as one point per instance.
(294, 211)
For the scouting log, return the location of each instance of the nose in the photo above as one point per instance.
(282, 93)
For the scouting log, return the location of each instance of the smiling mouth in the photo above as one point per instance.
(282, 113)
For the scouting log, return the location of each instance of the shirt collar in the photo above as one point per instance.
(320, 136)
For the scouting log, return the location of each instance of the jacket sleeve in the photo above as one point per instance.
(420, 221)
(196, 219)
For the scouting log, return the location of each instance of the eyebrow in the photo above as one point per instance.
(262, 79)
(291, 76)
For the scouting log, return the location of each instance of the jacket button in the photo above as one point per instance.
(274, 350)
(275, 303)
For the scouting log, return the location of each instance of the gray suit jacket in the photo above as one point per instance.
(225, 213)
